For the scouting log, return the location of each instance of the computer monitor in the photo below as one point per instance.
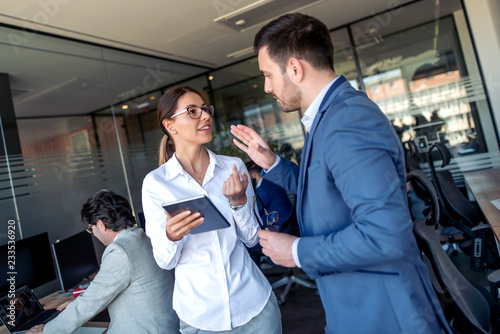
(32, 264)
(75, 259)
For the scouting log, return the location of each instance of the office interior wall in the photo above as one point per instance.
(76, 121)
(484, 21)
(487, 124)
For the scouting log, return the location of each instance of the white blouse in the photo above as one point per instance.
(217, 285)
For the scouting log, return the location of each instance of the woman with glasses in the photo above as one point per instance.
(218, 288)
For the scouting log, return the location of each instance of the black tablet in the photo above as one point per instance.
(214, 220)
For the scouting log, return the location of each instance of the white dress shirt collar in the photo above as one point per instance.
(313, 109)
(173, 167)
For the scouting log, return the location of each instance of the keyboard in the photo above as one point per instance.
(39, 319)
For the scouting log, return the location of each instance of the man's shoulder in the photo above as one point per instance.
(351, 105)
(128, 238)
(350, 95)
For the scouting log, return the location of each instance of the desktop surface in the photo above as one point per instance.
(97, 324)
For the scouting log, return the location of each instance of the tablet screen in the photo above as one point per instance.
(214, 220)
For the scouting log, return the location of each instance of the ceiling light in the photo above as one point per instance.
(124, 106)
(152, 97)
(142, 105)
(210, 77)
(260, 12)
(242, 52)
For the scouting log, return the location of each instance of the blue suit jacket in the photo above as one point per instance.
(357, 240)
(274, 198)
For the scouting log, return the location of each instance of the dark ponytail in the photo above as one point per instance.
(167, 149)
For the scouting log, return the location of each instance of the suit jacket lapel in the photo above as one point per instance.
(304, 163)
(327, 100)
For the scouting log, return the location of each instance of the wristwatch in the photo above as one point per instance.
(236, 207)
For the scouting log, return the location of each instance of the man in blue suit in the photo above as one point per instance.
(357, 241)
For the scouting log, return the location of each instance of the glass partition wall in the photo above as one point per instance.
(82, 117)
(421, 71)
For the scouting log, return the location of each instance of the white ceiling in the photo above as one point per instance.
(52, 76)
(180, 30)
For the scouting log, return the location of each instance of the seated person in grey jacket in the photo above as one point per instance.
(137, 293)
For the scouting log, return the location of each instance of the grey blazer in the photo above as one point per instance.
(137, 293)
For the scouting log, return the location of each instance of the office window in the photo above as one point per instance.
(415, 69)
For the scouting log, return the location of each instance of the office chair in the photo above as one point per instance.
(289, 278)
(468, 308)
(462, 214)
(413, 160)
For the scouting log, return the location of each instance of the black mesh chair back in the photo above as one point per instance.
(465, 307)
(455, 202)
(412, 161)
(452, 198)
(463, 303)
(463, 215)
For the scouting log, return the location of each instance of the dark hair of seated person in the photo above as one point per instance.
(112, 209)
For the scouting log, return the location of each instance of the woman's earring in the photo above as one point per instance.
(175, 132)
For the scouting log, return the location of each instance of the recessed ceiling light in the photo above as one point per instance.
(242, 52)
(124, 106)
(210, 77)
(142, 105)
(152, 97)
(261, 11)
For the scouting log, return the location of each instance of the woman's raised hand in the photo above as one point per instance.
(235, 188)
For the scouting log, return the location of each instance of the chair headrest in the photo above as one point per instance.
(411, 147)
(420, 177)
(444, 152)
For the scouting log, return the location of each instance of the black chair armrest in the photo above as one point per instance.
(481, 227)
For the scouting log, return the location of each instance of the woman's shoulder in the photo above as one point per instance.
(155, 173)
(227, 160)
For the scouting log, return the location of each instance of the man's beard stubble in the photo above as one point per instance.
(292, 94)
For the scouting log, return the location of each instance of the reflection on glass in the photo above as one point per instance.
(418, 79)
(240, 98)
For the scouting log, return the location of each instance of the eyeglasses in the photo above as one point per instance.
(89, 228)
(195, 112)
(271, 217)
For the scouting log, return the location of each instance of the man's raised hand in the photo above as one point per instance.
(252, 144)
